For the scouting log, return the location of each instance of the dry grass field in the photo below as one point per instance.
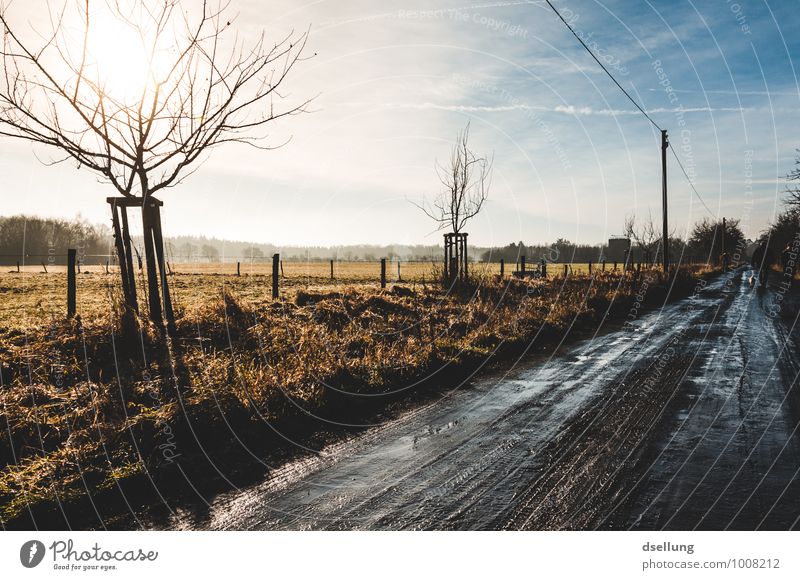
(85, 408)
(30, 298)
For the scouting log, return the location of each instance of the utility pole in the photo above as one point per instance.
(665, 237)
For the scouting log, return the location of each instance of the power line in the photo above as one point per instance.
(675, 155)
(630, 98)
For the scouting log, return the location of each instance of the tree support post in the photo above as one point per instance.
(126, 245)
(128, 291)
(71, 289)
(158, 241)
(276, 258)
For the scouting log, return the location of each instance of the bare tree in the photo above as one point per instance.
(142, 125)
(465, 187)
(647, 237)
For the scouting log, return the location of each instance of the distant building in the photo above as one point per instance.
(618, 247)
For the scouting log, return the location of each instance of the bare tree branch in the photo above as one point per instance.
(466, 181)
(204, 87)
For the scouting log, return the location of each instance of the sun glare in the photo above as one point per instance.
(119, 58)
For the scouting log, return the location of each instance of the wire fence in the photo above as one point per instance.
(397, 270)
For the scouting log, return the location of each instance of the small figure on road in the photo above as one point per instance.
(763, 258)
(726, 261)
(787, 260)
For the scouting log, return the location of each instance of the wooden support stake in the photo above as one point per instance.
(120, 247)
(282, 274)
(604, 265)
(158, 241)
(544, 267)
(466, 261)
(522, 265)
(398, 271)
(383, 272)
(45, 267)
(276, 263)
(238, 268)
(153, 301)
(502, 268)
(590, 267)
(17, 267)
(331, 269)
(565, 270)
(128, 254)
(71, 289)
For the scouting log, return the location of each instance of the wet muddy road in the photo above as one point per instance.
(686, 419)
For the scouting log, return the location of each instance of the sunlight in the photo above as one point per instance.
(119, 58)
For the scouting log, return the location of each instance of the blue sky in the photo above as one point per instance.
(572, 157)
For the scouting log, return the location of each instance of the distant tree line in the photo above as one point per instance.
(32, 240)
(203, 249)
(560, 251)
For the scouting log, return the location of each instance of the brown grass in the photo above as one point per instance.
(84, 407)
(30, 299)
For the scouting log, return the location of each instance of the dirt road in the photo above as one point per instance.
(687, 418)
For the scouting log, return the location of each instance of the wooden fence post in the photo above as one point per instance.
(522, 265)
(158, 244)
(331, 269)
(590, 267)
(238, 268)
(615, 265)
(604, 265)
(17, 266)
(383, 272)
(565, 270)
(543, 267)
(282, 274)
(276, 258)
(399, 279)
(71, 290)
(502, 268)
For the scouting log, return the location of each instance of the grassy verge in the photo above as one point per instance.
(86, 410)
